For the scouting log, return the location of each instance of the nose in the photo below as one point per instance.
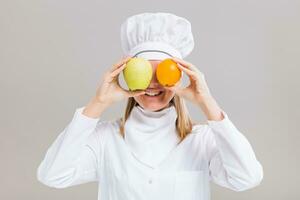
(154, 82)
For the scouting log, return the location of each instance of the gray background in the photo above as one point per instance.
(52, 54)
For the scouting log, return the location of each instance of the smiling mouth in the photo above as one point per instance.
(153, 94)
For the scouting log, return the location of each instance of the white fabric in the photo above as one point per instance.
(151, 135)
(162, 35)
(91, 149)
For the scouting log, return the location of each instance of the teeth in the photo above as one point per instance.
(152, 94)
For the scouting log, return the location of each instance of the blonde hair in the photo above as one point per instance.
(184, 123)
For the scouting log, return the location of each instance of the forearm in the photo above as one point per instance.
(233, 162)
(94, 109)
(211, 108)
(64, 162)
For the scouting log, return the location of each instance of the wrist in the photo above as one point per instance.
(204, 98)
(94, 108)
(210, 108)
(97, 101)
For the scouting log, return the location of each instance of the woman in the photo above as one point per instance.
(155, 151)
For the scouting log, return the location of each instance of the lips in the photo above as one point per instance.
(153, 95)
(152, 92)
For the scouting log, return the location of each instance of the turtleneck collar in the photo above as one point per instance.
(154, 114)
(149, 121)
(151, 135)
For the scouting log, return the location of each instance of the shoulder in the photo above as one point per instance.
(199, 128)
(201, 132)
(108, 127)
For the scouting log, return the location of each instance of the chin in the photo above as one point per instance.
(154, 106)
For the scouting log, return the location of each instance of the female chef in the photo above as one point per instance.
(155, 151)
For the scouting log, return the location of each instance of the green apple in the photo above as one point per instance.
(138, 73)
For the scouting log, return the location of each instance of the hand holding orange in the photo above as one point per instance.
(168, 72)
(197, 91)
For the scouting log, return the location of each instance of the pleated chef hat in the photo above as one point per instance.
(156, 36)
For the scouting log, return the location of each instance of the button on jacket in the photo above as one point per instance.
(90, 149)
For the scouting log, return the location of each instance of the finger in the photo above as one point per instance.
(118, 70)
(120, 63)
(190, 73)
(185, 64)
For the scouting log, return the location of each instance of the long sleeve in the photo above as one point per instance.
(74, 156)
(232, 161)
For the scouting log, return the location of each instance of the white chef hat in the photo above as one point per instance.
(156, 36)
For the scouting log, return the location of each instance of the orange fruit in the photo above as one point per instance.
(168, 72)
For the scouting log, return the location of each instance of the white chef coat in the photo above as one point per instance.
(151, 135)
(90, 149)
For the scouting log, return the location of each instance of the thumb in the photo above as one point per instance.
(171, 88)
(175, 89)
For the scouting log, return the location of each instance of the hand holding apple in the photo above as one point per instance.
(109, 90)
